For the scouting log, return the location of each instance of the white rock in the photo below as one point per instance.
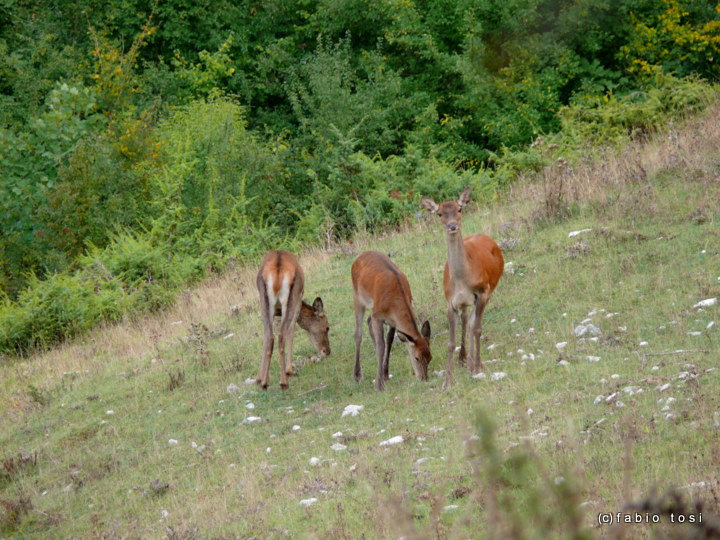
(619, 404)
(228, 336)
(250, 406)
(109, 412)
(655, 368)
(393, 440)
(479, 376)
(440, 373)
(249, 381)
(710, 325)
(337, 435)
(308, 502)
(664, 387)
(563, 363)
(530, 411)
(559, 480)
(172, 442)
(582, 330)
(352, 410)
(491, 347)
(644, 344)
(694, 333)
(422, 460)
(498, 375)
(670, 417)
(575, 233)
(450, 507)
(296, 427)
(560, 346)
(513, 321)
(338, 447)
(586, 321)
(599, 399)
(708, 302)
(314, 461)
(352, 467)
(593, 358)
(252, 420)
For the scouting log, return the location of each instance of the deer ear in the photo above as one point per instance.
(428, 204)
(404, 337)
(318, 306)
(425, 331)
(464, 197)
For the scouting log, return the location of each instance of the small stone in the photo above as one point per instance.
(296, 427)
(392, 441)
(352, 410)
(708, 302)
(560, 346)
(644, 344)
(314, 461)
(337, 447)
(252, 420)
(308, 502)
(337, 435)
(498, 375)
(593, 358)
(173, 442)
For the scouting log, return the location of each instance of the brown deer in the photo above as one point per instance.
(380, 285)
(472, 272)
(281, 283)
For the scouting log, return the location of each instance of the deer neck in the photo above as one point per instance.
(306, 312)
(456, 257)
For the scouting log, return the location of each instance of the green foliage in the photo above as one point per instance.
(122, 129)
(612, 119)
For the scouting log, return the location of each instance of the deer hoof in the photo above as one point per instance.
(284, 386)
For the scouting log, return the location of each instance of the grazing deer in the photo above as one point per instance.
(472, 272)
(379, 285)
(280, 283)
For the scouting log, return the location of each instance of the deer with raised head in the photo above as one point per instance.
(379, 285)
(472, 271)
(281, 283)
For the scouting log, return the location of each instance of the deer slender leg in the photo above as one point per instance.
(359, 315)
(388, 346)
(452, 323)
(377, 331)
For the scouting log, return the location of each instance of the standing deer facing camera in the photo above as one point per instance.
(380, 285)
(281, 283)
(472, 272)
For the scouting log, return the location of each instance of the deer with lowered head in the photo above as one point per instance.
(379, 285)
(472, 271)
(281, 284)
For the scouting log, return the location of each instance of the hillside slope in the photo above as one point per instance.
(132, 432)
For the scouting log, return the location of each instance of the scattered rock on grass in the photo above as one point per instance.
(352, 410)
(392, 441)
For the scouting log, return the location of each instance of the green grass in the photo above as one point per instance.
(652, 254)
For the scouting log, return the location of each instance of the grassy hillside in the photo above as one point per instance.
(132, 432)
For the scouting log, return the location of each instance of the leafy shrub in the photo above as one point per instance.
(612, 119)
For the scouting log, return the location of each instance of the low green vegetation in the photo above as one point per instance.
(135, 430)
